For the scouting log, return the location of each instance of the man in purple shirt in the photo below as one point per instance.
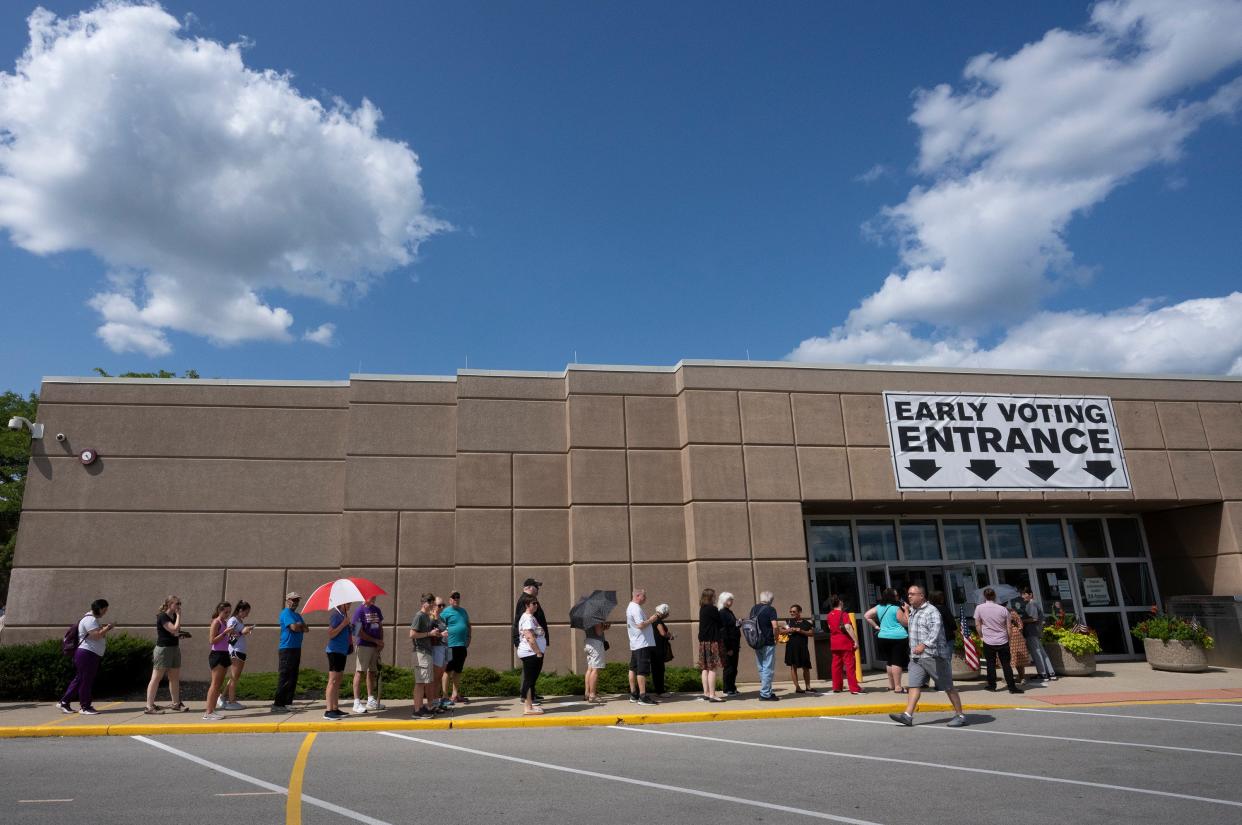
(992, 620)
(368, 624)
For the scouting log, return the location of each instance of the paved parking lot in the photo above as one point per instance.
(1173, 762)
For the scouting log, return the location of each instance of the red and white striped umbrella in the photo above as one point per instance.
(341, 591)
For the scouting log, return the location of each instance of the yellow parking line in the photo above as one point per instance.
(293, 804)
(67, 717)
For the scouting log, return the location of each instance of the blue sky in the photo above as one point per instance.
(641, 183)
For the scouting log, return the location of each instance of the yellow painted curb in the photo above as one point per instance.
(547, 721)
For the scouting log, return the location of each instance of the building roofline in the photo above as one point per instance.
(194, 382)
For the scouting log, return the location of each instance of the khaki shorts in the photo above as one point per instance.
(424, 668)
(594, 654)
(367, 660)
(166, 658)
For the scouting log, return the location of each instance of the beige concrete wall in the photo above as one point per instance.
(610, 478)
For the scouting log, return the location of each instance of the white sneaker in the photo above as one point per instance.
(219, 702)
(375, 704)
(234, 706)
(359, 707)
(212, 717)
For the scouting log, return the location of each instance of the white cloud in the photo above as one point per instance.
(324, 334)
(1028, 143)
(212, 184)
(873, 174)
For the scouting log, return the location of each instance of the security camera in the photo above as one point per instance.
(60, 437)
(16, 423)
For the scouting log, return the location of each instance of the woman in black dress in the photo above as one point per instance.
(798, 648)
(709, 645)
(661, 655)
(730, 642)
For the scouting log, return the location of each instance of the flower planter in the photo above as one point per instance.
(1067, 664)
(1176, 655)
(961, 671)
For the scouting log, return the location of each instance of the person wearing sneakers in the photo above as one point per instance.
(993, 622)
(218, 660)
(532, 643)
(92, 641)
(368, 625)
(292, 629)
(340, 643)
(642, 645)
(930, 657)
(422, 630)
(1033, 631)
(238, 631)
(457, 620)
(439, 658)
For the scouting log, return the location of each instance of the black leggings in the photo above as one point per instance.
(531, 667)
(730, 668)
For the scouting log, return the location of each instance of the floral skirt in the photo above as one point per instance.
(1019, 656)
(709, 656)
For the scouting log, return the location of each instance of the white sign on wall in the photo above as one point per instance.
(944, 441)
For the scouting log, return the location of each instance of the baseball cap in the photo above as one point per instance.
(293, 594)
(532, 583)
(454, 595)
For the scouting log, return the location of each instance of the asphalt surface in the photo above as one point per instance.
(1177, 763)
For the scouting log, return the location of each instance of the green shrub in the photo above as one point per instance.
(262, 686)
(1077, 643)
(1165, 627)
(41, 671)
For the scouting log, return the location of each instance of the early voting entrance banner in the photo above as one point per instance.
(1004, 442)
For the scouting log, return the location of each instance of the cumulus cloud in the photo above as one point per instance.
(1024, 145)
(208, 185)
(324, 334)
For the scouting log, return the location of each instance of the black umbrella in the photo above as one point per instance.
(593, 609)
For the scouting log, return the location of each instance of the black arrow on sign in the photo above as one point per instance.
(1100, 469)
(924, 468)
(1043, 469)
(983, 469)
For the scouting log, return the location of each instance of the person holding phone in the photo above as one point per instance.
(422, 630)
(798, 648)
(92, 642)
(888, 619)
(532, 643)
(340, 642)
(166, 658)
(238, 631)
(218, 659)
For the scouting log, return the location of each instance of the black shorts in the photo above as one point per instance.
(895, 652)
(238, 655)
(640, 661)
(457, 660)
(218, 658)
(336, 662)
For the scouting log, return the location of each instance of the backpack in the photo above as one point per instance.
(69, 644)
(751, 631)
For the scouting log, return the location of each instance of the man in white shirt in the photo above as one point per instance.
(642, 643)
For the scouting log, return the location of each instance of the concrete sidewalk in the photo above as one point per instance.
(1114, 683)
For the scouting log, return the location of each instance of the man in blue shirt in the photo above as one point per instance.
(458, 622)
(292, 626)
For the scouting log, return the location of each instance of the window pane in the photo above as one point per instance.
(919, 540)
(841, 582)
(1047, 542)
(1087, 535)
(877, 541)
(1005, 540)
(830, 541)
(1124, 533)
(1096, 581)
(1136, 590)
(1108, 627)
(962, 540)
(1054, 589)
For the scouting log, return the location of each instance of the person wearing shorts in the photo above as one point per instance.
(166, 658)
(439, 657)
(930, 658)
(340, 640)
(422, 630)
(218, 660)
(642, 643)
(888, 619)
(238, 633)
(595, 655)
(368, 624)
(457, 621)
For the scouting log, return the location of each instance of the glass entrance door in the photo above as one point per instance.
(1051, 583)
(875, 580)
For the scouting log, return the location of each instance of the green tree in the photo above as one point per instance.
(14, 459)
(161, 374)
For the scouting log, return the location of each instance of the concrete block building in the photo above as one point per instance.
(739, 476)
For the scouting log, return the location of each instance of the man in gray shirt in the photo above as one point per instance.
(930, 658)
(1032, 633)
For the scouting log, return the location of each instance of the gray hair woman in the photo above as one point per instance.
(730, 642)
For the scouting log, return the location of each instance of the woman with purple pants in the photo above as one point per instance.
(92, 640)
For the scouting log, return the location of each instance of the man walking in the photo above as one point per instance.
(422, 630)
(642, 645)
(292, 629)
(993, 622)
(457, 620)
(765, 618)
(1032, 632)
(530, 587)
(931, 655)
(368, 622)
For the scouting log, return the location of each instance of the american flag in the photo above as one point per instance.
(968, 647)
(1079, 627)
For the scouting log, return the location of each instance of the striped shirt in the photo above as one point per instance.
(926, 629)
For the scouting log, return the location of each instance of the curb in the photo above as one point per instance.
(550, 721)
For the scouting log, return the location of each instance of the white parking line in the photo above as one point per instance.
(309, 800)
(905, 763)
(36, 801)
(1031, 736)
(754, 803)
(1237, 704)
(1124, 716)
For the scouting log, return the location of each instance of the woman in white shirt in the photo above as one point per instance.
(92, 641)
(531, 646)
(238, 631)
